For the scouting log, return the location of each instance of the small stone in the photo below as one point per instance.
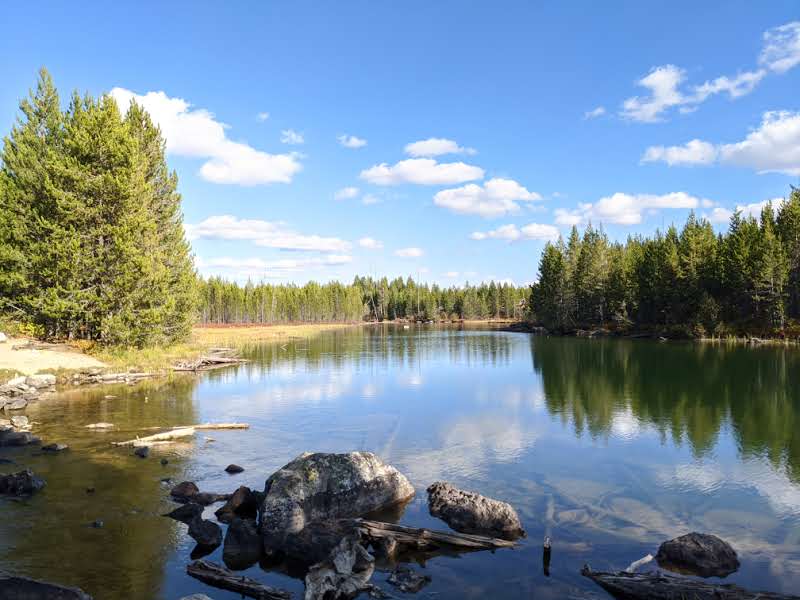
(142, 451)
(184, 490)
(90, 490)
(97, 524)
(407, 580)
(55, 447)
(20, 421)
(232, 469)
(164, 461)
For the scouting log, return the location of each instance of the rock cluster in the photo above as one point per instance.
(17, 393)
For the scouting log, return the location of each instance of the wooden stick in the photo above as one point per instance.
(203, 426)
(218, 576)
(428, 538)
(159, 437)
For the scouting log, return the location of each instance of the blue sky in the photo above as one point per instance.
(475, 131)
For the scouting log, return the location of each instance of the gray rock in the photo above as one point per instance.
(15, 587)
(142, 451)
(243, 546)
(698, 554)
(55, 447)
(42, 380)
(242, 503)
(22, 483)
(16, 404)
(407, 580)
(469, 512)
(20, 421)
(184, 491)
(186, 513)
(16, 382)
(344, 574)
(329, 486)
(311, 545)
(233, 469)
(205, 533)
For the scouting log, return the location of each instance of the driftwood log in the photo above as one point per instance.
(218, 576)
(427, 539)
(158, 438)
(660, 586)
(203, 426)
(204, 363)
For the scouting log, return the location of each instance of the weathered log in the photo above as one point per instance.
(205, 363)
(218, 576)
(428, 539)
(202, 426)
(168, 436)
(660, 586)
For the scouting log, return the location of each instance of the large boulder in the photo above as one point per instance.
(698, 554)
(242, 547)
(15, 587)
(22, 483)
(328, 486)
(469, 512)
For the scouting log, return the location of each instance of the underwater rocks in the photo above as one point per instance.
(22, 483)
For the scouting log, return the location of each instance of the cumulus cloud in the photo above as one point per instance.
(422, 171)
(495, 198)
(259, 268)
(196, 133)
(370, 243)
(292, 137)
(436, 147)
(695, 152)
(624, 209)
(351, 141)
(409, 252)
(773, 147)
(719, 215)
(594, 113)
(346, 193)
(263, 233)
(512, 233)
(779, 54)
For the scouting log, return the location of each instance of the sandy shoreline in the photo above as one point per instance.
(29, 362)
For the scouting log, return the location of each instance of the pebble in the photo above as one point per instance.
(142, 451)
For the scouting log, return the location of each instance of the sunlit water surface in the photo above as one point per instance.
(607, 446)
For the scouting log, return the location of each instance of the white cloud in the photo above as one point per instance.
(662, 83)
(260, 268)
(754, 210)
(422, 171)
(351, 141)
(781, 50)
(346, 193)
(695, 152)
(624, 209)
(495, 198)
(451, 274)
(262, 116)
(196, 133)
(773, 147)
(532, 231)
(595, 112)
(719, 215)
(409, 252)
(370, 199)
(370, 243)
(436, 147)
(779, 54)
(292, 137)
(263, 233)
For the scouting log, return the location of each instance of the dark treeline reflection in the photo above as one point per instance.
(383, 346)
(688, 392)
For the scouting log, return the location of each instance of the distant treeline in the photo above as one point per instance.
(688, 282)
(365, 299)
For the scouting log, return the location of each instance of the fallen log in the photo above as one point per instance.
(205, 363)
(168, 436)
(427, 539)
(218, 576)
(660, 586)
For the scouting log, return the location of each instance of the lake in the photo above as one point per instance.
(608, 446)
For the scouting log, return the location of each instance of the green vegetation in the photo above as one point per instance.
(691, 283)
(375, 300)
(91, 234)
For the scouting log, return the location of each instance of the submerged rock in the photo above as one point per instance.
(469, 512)
(9, 437)
(311, 545)
(242, 544)
(407, 580)
(55, 447)
(329, 486)
(344, 574)
(142, 451)
(205, 533)
(243, 503)
(22, 483)
(14, 587)
(698, 554)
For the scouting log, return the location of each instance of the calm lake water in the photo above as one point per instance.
(608, 446)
